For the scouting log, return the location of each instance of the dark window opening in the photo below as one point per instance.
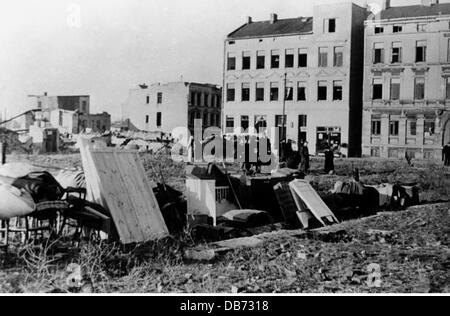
(396, 55)
(289, 62)
(246, 62)
(289, 92)
(303, 60)
(158, 119)
(301, 93)
(259, 92)
(394, 128)
(398, 28)
(231, 63)
(322, 92)
(419, 90)
(160, 97)
(378, 56)
(376, 127)
(379, 30)
(231, 94)
(421, 54)
(274, 91)
(331, 25)
(377, 91)
(245, 92)
(337, 91)
(245, 123)
(261, 62)
(275, 61)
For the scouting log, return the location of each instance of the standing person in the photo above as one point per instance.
(329, 160)
(446, 155)
(304, 154)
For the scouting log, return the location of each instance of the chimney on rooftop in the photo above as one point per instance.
(249, 20)
(273, 18)
(387, 4)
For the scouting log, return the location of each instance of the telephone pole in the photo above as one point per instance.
(284, 108)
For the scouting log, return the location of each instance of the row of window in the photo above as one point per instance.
(205, 99)
(395, 89)
(399, 28)
(158, 119)
(208, 119)
(290, 94)
(260, 122)
(289, 59)
(400, 153)
(411, 127)
(397, 53)
(159, 98)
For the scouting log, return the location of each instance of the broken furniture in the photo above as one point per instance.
(117, 181)
(37, 203)
(209, 192)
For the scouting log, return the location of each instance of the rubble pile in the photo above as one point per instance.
(11, 138)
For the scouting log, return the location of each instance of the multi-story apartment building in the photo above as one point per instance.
(164, 107)
(311, 66)
(407, 81)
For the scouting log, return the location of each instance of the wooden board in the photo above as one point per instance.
(117, 181)
(304, 193)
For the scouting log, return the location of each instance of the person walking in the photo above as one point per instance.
(329, 161)
(446, 155)
(304, 154)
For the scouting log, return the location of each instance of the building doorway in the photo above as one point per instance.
(302, 129)
(328, 136)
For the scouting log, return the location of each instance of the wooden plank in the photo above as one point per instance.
(313, 201)
(144, 203)
(116, 202)
(117, 181)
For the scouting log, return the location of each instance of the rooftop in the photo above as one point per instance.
(300, 25)
(414, 11)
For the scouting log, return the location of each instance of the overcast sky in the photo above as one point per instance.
(120, 43)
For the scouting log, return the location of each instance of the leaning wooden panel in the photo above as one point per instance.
(128, 196)
(313, 201)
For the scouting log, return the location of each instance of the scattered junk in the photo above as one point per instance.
(14, 142)
(210, 192)
(113, 195)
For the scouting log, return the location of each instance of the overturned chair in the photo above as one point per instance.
(66, 208)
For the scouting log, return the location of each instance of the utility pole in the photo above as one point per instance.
(284, 108)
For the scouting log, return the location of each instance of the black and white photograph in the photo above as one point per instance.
(222, 153)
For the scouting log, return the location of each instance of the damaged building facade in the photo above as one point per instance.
(164, 107)
(71, 114)
(407, 81)
(313, 65)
